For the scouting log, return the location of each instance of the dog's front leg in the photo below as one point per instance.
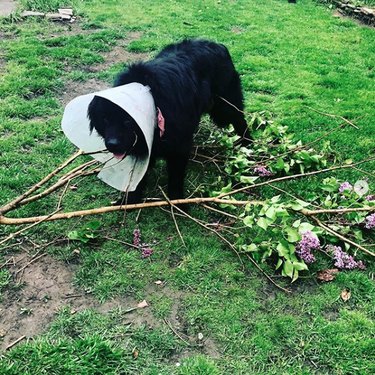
(176, 166)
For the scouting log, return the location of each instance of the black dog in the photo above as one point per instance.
(187, 80)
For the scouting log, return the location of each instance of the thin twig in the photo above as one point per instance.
(15, 342)
(334, 116)
(31, 261)
(220, 211)
(62, 195)
(173, 216)
(338, 211)
(235, 250)
(121, 242)
(10, 260)
(35, 222)
(266, 275)
(17, 200)
(341, 237)
(285, 178)
(168, 323)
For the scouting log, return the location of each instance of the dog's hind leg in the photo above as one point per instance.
(228, 109)
(176, 166)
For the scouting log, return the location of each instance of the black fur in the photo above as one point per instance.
(187, 80)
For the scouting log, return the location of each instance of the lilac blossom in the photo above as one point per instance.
(370, 221)
(308, 243)
(262, 171)
(146, 251)
(343, 260)
(345, 186)
(136, 237)
(370, 197)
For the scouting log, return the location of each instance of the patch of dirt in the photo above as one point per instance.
(118, 54)
(40, 291)
(7, 7)
(74, 88)
(45, 286)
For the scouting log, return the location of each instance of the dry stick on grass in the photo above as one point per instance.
(341, 237)
(79, 171)
(168, 323)
(15, 342)
(16, 201)
(11, 221)
(31, 261)
(96, 211)
(173, 216)
(334, 116)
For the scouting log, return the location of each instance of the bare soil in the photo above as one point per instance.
(7, 7)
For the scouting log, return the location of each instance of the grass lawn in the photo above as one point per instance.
(210, 314)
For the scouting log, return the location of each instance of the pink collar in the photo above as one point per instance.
(161, 122)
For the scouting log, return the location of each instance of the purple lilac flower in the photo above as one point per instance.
(308, 242)
(370, 221)
(262, 171)
(343, 260)
(136, 237)
(345, 186)
(370, 197)
(146, 252)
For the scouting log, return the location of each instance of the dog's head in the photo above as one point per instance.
(121, 134)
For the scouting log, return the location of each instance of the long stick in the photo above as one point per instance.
(35, 222)
(341, 237)
(285, 178)
(96, 211)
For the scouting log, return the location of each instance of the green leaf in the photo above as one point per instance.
(278, 264)
(271, 213)
(248, 221)
(288, 269)
(283, 249)
(295, 276)
(264, 223)
(248, 179)
(251, 247)
(293, 235)
(305, 226)
(275, 199)
(300, 266)
(296, 224)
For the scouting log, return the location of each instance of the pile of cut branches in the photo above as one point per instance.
(284, 230)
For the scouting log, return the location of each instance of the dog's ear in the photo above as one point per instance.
(91, 114)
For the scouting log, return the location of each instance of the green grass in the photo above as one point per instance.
(290, 57)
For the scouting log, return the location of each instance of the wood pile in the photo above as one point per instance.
(364, 14)
(63, 14)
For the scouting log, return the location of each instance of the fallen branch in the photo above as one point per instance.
(334, 116)
(97, 211)
(338, 211)
(35, 222)
(15, 342)
(341, 237)
(285, 178)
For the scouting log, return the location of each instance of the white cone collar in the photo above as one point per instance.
(137, 101)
